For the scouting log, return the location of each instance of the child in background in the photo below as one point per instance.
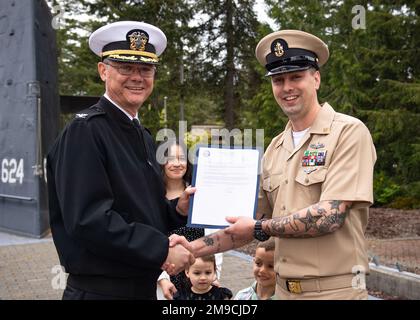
(201, 275)
(265, 285)
(177, 176)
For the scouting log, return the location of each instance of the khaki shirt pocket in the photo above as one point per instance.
(271, 186)
(316, 176)
(272, 182)
(312, 183)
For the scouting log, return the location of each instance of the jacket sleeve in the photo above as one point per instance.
(176, 220)
(85, 197)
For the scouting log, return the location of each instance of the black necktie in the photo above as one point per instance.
(140, 131)
(137, 124)
(144, 149)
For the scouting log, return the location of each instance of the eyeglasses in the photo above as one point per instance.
(128, 70)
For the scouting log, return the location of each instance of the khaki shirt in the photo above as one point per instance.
(288, 186)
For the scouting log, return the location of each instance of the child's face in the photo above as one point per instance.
(264, 267)
(201, 275)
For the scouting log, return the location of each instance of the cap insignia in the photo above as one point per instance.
(278, 49)
(138, 40)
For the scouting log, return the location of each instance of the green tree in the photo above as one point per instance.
(228, 38)
(78, 74)
(373, 74)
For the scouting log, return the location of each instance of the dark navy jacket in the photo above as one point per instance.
(108, 211)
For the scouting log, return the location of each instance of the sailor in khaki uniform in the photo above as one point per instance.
(316, 182)
(321, 163)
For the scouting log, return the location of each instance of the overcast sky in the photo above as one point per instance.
(262, 16)
(259, 7)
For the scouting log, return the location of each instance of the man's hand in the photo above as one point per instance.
(168, 288)
(242, 228)
(178, 260)
(176, 239)
(184, 201)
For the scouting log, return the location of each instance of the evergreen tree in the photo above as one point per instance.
(373, 74)
(228, 37)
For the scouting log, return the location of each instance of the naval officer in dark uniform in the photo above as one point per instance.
(108, 214)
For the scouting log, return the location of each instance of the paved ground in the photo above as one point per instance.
(29, 267)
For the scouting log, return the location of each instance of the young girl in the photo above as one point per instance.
(201, 275)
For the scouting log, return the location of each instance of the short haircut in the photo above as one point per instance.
(210, 258)
(268, 245)
(312, 70)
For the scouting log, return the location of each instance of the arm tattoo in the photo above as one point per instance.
(335, 220)
(316, 220)
(277, 226)
(309, 221)
(335, 204)
(232, 239)
(208, 241)
(218, 243)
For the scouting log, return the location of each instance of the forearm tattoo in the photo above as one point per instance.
(213, 241)
(322, 218)
(220, 243)
(208, 241)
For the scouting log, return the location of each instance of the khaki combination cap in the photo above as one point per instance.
(128, 41)
(291, 50)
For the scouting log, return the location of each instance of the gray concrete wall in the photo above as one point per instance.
(388, 280)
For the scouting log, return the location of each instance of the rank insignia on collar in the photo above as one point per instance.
(317, 145)
(81, 115)
(314, 158)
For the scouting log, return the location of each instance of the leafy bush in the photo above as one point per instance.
(385, 190)
(388, 193)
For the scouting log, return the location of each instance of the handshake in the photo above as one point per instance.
(180, 255)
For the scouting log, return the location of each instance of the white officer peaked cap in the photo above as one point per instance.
(291, 50)
(128, 41)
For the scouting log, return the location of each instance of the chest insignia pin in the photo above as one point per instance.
(317, 146)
